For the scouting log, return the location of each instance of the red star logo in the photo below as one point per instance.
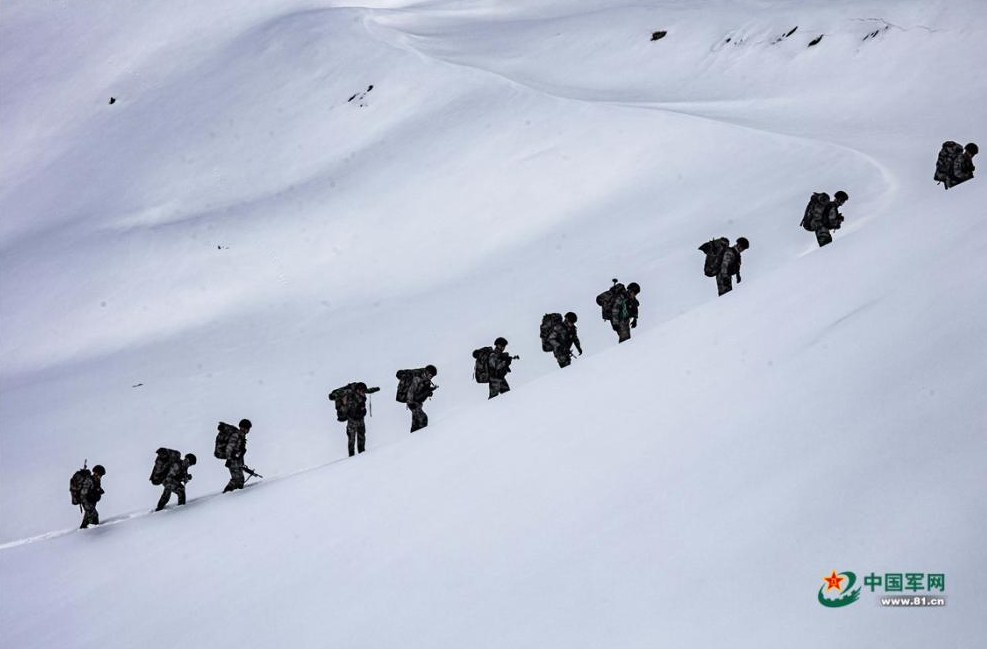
(834, 581)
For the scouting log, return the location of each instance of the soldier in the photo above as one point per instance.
(825, 216)
(351, 407)
(236, 449)
(562, 337)
(963, 165)
(730, 265)
(86, 488)
(174, 480)
(498, 367)
(420, 389)
(623, 311)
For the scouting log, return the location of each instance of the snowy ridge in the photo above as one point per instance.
(259, 240)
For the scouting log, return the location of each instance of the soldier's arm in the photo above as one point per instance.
(411, 394)
(959, 168)
(725, 264)
(575, 341)
(233, 446)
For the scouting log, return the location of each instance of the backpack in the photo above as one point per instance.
(714, 249)
(944, 163)
(815, 211)
(606, 298)
(405, 377)
(81, 479)
(223, 432)
(549, 321)
(162, 464)
(347, 403)
(481, 370)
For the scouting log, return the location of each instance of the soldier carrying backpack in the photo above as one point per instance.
(619, 306)
(492, 366)
(171, 471)
(86, 489)
(955, 164)
(414, 388)
(723, 261)
(351, 407)
(822, 215)
(231, 445)
(558, 335)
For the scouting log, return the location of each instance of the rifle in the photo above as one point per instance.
(251, 473)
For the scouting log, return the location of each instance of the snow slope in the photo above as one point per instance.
(237, 237)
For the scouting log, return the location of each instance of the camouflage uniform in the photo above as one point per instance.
(174, 482)
(236, 448)
(499, 366)
(419, 390)
(562, 337)
(962, 170)
(89, 495)
(356, 434)
(729, 266)
(623, 310)
(830, 219)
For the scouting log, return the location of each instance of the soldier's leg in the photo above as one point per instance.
(180, 490)
(163, 500)
(493, 386)
(236, 477)
(823, 237)
(724, 284)
(361, 437)
(351, 436)
(85, 516)
(624, 331)
(563, 357)
(90, 515)
(418, 417)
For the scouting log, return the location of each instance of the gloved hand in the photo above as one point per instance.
(634, 323)
(738, 278)
(579, 349)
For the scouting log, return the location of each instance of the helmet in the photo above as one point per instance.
(742, 242)
(633, 287)
(191, 458)
(972, 148)
(571, 317)
(841, 196)
(431, 370)
(500, 342)
(245, 423)
(99, 470)
(360, 385)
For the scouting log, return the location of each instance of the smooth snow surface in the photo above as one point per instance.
(236, 238)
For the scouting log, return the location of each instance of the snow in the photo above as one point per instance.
(239, 239)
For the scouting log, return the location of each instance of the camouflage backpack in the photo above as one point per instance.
(481, 369)
(815, 211)
(163, 462)
(606, 299)
(714, 249)
(81, 479)
(348, 402)
(944, 163)
(405, 378)
(549, 322)
(223, 432)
